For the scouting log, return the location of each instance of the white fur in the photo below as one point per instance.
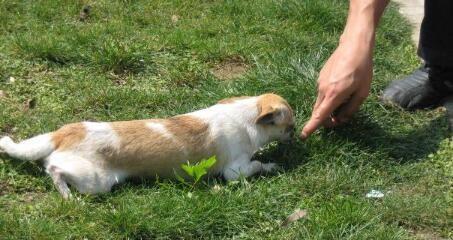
(100, 135)
(232, 128)
(238, 137)
(160, 128)
(83, 173)
(83, 167)
(29, 150)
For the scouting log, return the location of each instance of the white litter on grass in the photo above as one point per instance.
(375, 194)
(11, 80)
(296, 215)
(217, 188)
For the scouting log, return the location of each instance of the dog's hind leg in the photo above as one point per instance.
(86, 175)
(59, 181)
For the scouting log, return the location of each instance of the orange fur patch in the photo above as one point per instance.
(270, 102)
(144, 150)
(68, 136)
(191, 130)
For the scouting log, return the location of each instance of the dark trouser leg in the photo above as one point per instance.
(436, 33)
(433, 82)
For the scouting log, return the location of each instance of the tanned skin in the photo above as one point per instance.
(344, 81)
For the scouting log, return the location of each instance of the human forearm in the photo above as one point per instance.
(344, 81)
(363, 19)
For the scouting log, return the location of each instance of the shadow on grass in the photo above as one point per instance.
(367, 134)
(287, 156)
(32, 168)
(402, 147)
(280, 153)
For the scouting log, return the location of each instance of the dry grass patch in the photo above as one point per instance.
(230, 68)
(422, 235)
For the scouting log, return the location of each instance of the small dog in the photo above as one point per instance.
(94, 156)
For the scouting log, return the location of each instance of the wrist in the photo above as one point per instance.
(361, 37)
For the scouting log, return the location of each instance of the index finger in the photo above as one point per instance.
(327, 106)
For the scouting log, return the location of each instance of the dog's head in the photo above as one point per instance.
(276, 117)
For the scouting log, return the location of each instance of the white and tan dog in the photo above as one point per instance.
(93, 156)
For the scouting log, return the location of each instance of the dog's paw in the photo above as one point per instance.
(270, 167)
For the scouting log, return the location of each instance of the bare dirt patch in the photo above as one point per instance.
(426, 235)
(118, 80)
(230, 69)
(5, 188)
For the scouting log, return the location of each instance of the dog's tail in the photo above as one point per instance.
(31, 149)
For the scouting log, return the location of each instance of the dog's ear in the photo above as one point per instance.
(268, 116)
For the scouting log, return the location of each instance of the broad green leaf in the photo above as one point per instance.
(206, 164)
(199, 172)
(188, 169)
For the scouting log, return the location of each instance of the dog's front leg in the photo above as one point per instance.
(246, 168)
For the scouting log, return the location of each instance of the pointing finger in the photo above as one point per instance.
(319, 116)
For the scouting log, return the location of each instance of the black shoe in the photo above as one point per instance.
(426, 87)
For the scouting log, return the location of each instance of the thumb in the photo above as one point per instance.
(352, 106)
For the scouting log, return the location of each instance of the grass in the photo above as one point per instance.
(144, 59)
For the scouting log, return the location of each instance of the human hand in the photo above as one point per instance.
(343, 85)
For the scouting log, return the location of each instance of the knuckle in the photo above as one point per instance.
(331, 93)
(317, 116)
(335, 91)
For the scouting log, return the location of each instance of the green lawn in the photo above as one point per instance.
(146, 59)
